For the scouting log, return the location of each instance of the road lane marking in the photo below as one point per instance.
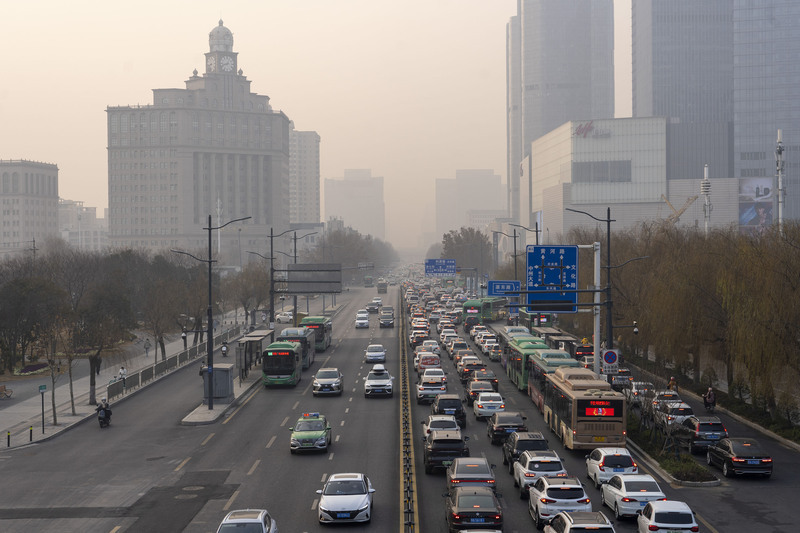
(324, 475)
(308, 388)
(330, 457)
(250, 397)
(705, 523)
(118, 528)
(336, 439)
(314, 504)
(341, 423)
(229, 503)
(205, 441)
(253, 468)
(347, 410)
(284, 421)
(351, 398)
(295, 405)
(182, 464)
(271, 441)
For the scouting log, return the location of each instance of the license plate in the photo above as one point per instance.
(619, 470)
(477, 520)
(510, 430)
(307, 445)
(713, 436)
(753, 462)
(642, 504)
(326, 388)
(599, 439)
(447, 463)
(342, 515)
(491, 407)
(449, 411)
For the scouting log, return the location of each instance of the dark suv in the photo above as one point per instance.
(501, 425)
(698, 432)
(522, 441)
(442, 447)
(450, 404)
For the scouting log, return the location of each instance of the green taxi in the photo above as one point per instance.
(311, 432)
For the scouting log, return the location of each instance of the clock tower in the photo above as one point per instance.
(220, 58)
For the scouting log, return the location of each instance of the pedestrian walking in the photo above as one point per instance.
(123, 374)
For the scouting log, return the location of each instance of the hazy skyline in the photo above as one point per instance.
(411, 90)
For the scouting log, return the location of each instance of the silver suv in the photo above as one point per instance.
(378, 382)
(596, 522)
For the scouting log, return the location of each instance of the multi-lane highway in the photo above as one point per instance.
(149, 473)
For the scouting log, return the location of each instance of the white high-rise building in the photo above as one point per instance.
(357, 199)
(304, 178)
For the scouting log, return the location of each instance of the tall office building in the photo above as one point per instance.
(472, 190)
(683, 70)
(303, 177)
(80, 227)
(357, 199)
(560, 68)
(767, 98)
(214, 148)
(29, 196)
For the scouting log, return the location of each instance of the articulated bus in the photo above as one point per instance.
(323, 327)
(583, 410)
(283, 364)
(533, 319)
(307, 339)
(517, 357)
(545, 361)
(494, 309)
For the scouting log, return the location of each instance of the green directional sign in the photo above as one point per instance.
(42, 388)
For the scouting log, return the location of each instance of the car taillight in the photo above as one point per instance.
(547, 500)
(629, 500)
(528, 474)
(602, 466)
(480, 406)
(456, 516)
(585, 500)
(502, 406)
(738, 460)
(695, 528)
(652, 528)
(766, 459)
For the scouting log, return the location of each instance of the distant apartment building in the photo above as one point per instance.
(471, 190)
(560, 67)
(79, 226)
(358, 200)
(29, 196)
(304, 177)
(212, 149)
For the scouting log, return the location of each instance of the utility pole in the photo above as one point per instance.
(705, 190)
(779, 164)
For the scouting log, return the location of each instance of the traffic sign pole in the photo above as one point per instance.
(42, 389)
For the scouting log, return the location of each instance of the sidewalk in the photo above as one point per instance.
(21, 418)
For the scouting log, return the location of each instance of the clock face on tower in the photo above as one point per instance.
(227, 63)
(212, 63)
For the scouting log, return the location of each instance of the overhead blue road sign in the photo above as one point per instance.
(551, 271)
(440, 267)
(500, 288)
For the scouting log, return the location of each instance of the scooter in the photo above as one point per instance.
(104, 417)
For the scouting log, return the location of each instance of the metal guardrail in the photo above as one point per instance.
(118, 387)
(407, 455)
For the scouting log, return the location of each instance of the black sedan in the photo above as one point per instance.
(473, 508)
(501, 425)
(474, 388)
(739, 456)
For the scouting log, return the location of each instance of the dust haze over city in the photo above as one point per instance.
(412, 91)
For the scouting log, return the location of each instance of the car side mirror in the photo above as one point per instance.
(371, 490)
(291, 429)
(466, 438)
(319, 491)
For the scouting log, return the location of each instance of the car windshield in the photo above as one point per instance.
(344, 487)
(533, 445)
(673, 517)
(747, 448)
(642, 486)
(681, 411)
(450, 404)
(545, 466)
(377, 375)
(242, 527)
(491, 398)
(566, 493)
(309, 425)
(475, 501)
(617, 461)
(477, 387)
(443, 424)
(327, 374)
(377, 348)
(711, 426)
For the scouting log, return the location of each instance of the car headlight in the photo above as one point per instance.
(320, 441)
(362, 509)
(316, 383)
(294, 442)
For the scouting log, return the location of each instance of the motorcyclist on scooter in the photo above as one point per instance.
(104, 410)
(709, 399)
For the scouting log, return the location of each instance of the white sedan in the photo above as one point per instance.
(625, 494)
(488, 403)
(345, 498)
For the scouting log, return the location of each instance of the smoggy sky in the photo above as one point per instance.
(411, 89)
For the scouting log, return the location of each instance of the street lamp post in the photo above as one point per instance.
(210, 348)
(609, 304)
(272, 274)
(536, 230)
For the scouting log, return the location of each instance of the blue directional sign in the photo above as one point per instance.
(500, 288)
(551, 271)
(440, 267)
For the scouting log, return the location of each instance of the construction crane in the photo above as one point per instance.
(676, 213)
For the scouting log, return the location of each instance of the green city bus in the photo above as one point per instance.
(323, 328)
(283, 365)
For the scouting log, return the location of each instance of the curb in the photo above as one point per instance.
(653, 464)
(216, 414)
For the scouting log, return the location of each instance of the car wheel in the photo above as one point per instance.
(616, 512)
(708, 458)
(515, 482)
(511, 467)
(727, 472)
(539, 521)
(597, 483)
(428, 469)
(523, 492)
(505, 459)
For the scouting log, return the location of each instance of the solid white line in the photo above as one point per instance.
(229, 503)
